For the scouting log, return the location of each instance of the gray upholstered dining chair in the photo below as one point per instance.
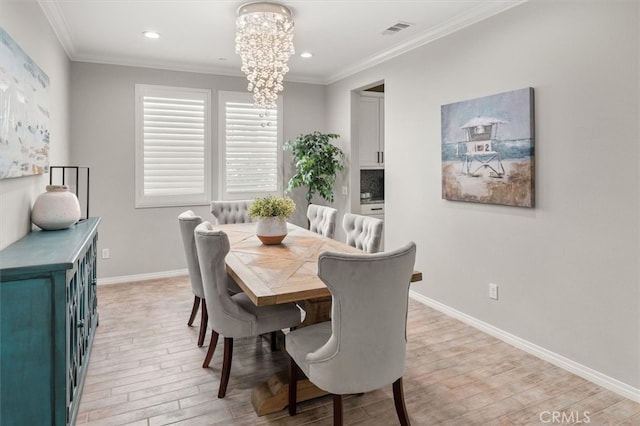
(231, 211)
(236, 211)
(322, 220)
(232, 316)
(188, 222)
(363, 347)
(363, 232)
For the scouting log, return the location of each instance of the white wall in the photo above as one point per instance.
(147, 241)
(26, 24)
(568, 270)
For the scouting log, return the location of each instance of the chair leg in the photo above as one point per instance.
(212, 348)
(204, 319)
(293, 386)
(274, 341)
(194, 310)
(337, 410)
(226, 366)
(398, 399)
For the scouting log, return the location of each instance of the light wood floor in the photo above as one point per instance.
(145, 369)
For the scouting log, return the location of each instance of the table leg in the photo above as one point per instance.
(317, 310)
(273, 395)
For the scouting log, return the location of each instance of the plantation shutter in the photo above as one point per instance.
(174, 146)
(252, 148)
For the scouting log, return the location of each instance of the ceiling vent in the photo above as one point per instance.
(396, 28)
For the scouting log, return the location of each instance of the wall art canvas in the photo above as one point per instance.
(24, 112)
(488, 149)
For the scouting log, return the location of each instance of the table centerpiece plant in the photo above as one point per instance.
(272, 213)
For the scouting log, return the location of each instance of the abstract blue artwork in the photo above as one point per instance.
(24, 112)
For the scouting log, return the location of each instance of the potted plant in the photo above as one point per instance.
(272, 213)
(317, 162)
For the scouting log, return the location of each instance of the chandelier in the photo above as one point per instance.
(264, 41)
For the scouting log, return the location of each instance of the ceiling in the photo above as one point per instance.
(344, 36)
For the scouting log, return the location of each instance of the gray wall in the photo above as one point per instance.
(568, 270)
(26, 24)
(147, 241)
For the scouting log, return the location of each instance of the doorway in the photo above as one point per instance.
(367, 149)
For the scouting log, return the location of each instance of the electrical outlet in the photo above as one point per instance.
(493, 291)
(345, 190)
(105, 253)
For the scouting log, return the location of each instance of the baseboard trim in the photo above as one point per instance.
(142, 277)
(587, 373)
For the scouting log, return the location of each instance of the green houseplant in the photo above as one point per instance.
(272, 213)
(317, 162)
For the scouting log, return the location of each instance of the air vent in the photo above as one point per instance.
(396, 28)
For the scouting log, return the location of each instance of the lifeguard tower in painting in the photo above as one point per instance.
(480, 135)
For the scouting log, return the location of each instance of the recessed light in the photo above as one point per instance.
(151, 34)
(306, 55)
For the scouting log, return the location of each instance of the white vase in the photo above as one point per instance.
(271, 230)
(56, 209)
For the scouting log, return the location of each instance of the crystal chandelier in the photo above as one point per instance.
(264, 41)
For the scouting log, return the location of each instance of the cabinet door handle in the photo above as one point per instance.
(377, 156)
(381, 156)
(376, 208)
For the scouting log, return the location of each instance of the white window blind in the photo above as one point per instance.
(172, 146)
(251, 147)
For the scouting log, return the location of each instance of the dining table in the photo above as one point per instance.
(283, 273)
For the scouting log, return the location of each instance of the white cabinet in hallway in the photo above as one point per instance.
(371, 130)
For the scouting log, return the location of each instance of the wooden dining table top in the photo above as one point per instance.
(286, 272)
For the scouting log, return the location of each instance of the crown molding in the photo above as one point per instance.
(479, 13)
(54, 15)
(158, 65)
(483, 10)
(171, 66)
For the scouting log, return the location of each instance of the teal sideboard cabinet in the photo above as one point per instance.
(48, 317)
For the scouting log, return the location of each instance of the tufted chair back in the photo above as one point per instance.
(322, 220)
(231, 211)
(363, 232)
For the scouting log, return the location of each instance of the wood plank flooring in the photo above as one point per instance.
(145, 370)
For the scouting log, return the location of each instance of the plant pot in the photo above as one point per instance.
(56, 209)
(271, 230)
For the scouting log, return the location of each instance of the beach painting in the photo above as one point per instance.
(24, 112)
(488, 149)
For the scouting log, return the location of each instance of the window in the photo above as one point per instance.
(173, 143)
(250, 147)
